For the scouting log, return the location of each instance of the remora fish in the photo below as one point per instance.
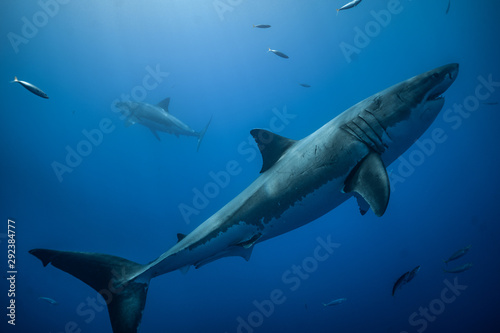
(458, 269)
(48, 300)
(335, 302)
(458, 254)
(300, 181)
(351, 4)
(158, 118)
(262, 26)
(278, 53)
(305, 85)
(405, 278)
(35, 90)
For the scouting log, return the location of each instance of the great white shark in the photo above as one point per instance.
(157, 118)
(299, 182)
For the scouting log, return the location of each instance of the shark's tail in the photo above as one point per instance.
(109, 276)
(202, 134)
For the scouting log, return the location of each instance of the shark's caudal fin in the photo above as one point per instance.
(108, 276)
(202, 134)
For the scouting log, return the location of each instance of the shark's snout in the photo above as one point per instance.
(121, 105)
(437, 83)
(440, 80)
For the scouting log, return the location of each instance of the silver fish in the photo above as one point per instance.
(305, 85)
(278, 53)
(405, 278)
(335, 302)
(458, 269)
(48, 300)
(351, 4)
(30, 87)
(262, 26)
(458, 254)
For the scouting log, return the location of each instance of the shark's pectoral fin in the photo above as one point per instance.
(271, 146)
(155, 134)
(164, 104)
(370, 181)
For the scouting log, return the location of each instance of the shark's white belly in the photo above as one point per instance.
(308, 209)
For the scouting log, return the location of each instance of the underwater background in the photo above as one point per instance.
(124, 197)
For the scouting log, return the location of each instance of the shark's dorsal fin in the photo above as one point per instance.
(370, 180)
(272, 146)
(180, 237)
(164, 104)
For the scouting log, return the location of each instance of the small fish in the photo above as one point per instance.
(460, 253)
(448, 8)
(278, 53)
(412, 274)
(458, 269)
(30, 87)
(48, 300)
(335, 302)
(405, 278)
(262, 26)
(305, 85)
(351, 4)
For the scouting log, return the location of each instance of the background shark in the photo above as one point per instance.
(300, 181)
(158, 118)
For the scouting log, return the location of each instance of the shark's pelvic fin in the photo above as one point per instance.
(370, 180)
(232, 251)
(155, 133)
(184, 269)
(164, 104)
(108, 276)
(251, 241)
(129, 122)
(272, 146)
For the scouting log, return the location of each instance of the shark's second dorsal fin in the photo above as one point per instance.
(180, 237)
(272, 146)
(164, 104)
(370, 181)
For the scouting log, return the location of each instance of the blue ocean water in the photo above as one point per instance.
(123, 194)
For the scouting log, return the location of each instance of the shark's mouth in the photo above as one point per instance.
(435, 97)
